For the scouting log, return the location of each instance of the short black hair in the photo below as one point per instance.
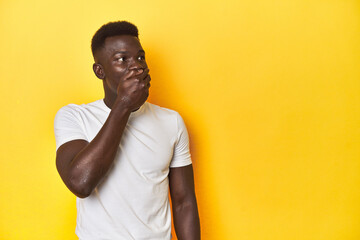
(112, 29)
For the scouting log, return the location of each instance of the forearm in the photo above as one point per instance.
(186, 220)
(91, 164)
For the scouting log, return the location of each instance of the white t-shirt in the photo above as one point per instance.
(131, 202)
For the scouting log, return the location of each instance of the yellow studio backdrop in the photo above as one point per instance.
(269, 91)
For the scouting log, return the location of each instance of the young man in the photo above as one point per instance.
(119, 155)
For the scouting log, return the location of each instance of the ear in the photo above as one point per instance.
(99, 71)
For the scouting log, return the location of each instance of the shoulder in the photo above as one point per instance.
(68, 111)
(161, 111)
(78, 109)
(167, 116)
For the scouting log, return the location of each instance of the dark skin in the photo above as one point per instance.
(82, 165)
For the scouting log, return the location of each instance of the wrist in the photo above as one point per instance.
(121, 105)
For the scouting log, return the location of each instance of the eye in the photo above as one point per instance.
(120, 59)
(141, 58)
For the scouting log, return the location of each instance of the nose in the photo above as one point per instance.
(136, 65)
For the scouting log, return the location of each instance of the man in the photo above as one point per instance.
(120, 155)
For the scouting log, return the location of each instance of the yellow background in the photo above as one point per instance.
(269, 90)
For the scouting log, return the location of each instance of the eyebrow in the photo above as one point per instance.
(124, 52)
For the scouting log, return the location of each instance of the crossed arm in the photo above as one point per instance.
(81, 181)
(83, 164)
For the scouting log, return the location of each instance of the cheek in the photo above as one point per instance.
(120, 68)
(116, 72)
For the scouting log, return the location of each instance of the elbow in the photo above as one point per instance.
(82, 189)
(77, 181)
(81, 194)
(181, 203)
(185, 206)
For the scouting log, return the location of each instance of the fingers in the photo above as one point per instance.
(147, 71)
(142, 80)
(141, 73)
(145, 75)
(147, 80)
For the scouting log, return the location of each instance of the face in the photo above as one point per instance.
(119, 56)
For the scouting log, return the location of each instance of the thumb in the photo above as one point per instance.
(130, 74)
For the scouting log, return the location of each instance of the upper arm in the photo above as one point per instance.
(181, 182)
(68, 126)
(181, 176)
(64, 156)
(181, 155)
(70, 140)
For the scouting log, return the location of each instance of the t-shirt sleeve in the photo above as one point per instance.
(181, 155)
(68, 126)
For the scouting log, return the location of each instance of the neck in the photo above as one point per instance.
(110, 97)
